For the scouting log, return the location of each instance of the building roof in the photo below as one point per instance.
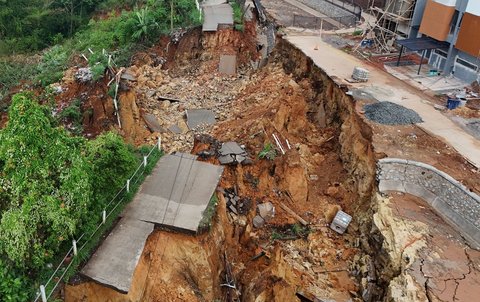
(423, 43)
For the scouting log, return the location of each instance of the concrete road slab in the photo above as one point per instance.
(199, 117)
(176, 193)
(215, 15)
(228, 64)
(114, 262)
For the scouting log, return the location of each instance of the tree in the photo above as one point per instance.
(144, 24)
(44, 184)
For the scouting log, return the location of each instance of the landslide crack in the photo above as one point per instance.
(427, 279)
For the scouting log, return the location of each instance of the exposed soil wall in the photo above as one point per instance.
(331, 106)
(173, 267)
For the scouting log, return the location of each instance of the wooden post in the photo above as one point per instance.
(43, 294)
(159, 143)
(145, 158)
(104, 216)
(128, 185)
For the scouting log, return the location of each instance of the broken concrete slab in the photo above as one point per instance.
(231, 148)
(175, 129)
(200, 117)
(215, 15)
(266, 210)
(114, 262)
(228, 64)
(176, 193)
(152, 123)
(231, 159)
(258, 222)
(232, 153)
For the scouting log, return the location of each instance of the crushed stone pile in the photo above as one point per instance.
(388, 113)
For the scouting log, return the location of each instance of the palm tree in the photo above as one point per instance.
(144, 23)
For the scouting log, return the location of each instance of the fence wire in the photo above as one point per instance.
(64, 266)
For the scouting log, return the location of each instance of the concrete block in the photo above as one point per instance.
(340, 222)
(228, 64)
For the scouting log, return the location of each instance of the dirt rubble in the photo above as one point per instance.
(314, 178)
(330, 165)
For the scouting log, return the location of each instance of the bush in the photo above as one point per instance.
(45, 185)
(73, 115)
(13, 287)
(54, 62)
(112, 163)
(13, 72)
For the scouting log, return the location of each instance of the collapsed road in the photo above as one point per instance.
(296, 150)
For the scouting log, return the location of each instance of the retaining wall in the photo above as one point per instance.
(451, 200)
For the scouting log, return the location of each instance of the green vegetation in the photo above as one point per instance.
(208, 214)
(292, 232)
(33, 25)
(53, 186)
(268, 152)
(237, 15)
(358, 32)
(73, 115)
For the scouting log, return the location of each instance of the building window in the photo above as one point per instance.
(454, 22)
(467, 64)
(441, 53)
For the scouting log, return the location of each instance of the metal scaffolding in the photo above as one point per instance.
(395, 15)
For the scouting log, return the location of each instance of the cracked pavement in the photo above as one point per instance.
(445, 268)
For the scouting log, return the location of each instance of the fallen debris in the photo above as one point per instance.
(266, 210)
(175, 129)
(340, 222)
(127, 76)
(360, 74)
(258, 222)
(295, 215)
(152, 123)
(84, 75)
(236, 204)
(232, 153)
(228, 64)
(199, 117)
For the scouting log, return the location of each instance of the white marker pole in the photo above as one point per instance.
(43, 294)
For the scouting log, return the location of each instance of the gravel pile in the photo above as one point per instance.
(388, 113)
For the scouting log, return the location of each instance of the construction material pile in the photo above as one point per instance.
(388, 113)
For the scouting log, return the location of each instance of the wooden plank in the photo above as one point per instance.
(295, 215)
